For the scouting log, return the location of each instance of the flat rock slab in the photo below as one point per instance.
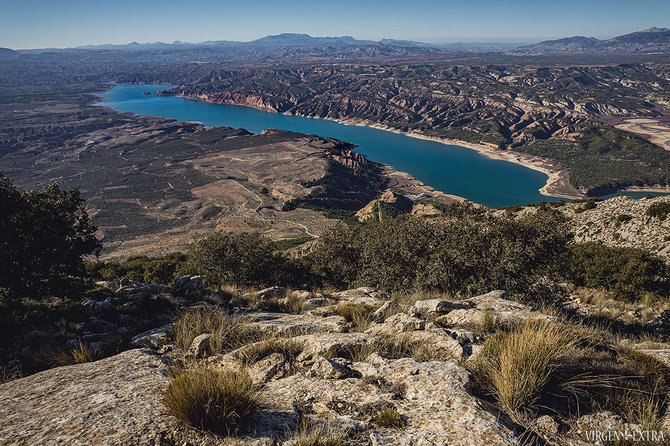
(116, 400)
(294, 324)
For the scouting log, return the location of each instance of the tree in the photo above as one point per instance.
(43, 236)
(236, 258)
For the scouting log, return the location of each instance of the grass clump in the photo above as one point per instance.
(360, 316)
(228, 332)
(544, 368)
(392, 346)
(488, 324)
(258, 351)
(318, 435)
(221, 401)
(516, 366)
(54, 356)
(389, 418)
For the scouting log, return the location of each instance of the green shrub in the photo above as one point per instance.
(659, 210)
(465, 252)
(243, 259)
(627, 272)
(216, 400)
(162, 270)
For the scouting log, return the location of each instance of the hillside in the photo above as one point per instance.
(557, 113)
(152, 185)
(652, 40)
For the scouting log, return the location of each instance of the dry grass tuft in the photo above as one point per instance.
(222, 401)
(389, 418)
(253, 353)
(7, 374)
(54, 356)
(517, 365)
(360, 316)
(318, 435)
(228, 332)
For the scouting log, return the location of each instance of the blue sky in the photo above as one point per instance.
(57, 23)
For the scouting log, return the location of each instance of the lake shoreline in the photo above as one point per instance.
(557, 183)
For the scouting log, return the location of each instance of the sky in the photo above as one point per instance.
(65, 23)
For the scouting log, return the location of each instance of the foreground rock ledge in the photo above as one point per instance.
(116, 401)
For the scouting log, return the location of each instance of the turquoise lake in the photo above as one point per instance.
(448, 168)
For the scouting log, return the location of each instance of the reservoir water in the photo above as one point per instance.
(449, 168)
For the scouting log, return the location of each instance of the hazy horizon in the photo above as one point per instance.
(37, 24)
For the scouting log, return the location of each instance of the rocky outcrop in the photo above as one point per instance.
(116, 400)
(622, 221)
(332, 376)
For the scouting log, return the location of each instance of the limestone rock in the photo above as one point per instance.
(303, 294)
(495, 304)
(437, 405)
(331, 344)
(312, 304)
(546, 426)
(398, 323)
(362, 296)
(188, 285)
(154, 338)
(331, 369)
(435, 307)
(116, 400)
(200, 346)
(292, 324)
(265, 369)
(388, 308)
(275, 292)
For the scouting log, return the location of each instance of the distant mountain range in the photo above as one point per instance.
(652, 40)
(649, 41)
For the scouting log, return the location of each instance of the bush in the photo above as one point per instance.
(244, 260)
(43, 237)
(627, 272)
(466, 252)
(659, 210)
(162, 270)
(216, 400)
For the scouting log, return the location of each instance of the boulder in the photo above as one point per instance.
(331, 344)
(436, 307)
(325, 368)
(187, 285)
(494, 304)
(291, 324)
(154, 338)
(370, 297)
(312, 304)
(200, 346)
(275, 292)
(302, 294)
(398, 323)
(265, 369)
(388, 308)
(117, 400)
